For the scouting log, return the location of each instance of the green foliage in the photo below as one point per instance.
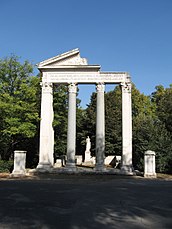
(19, 99)
(113, 122)
(6, 166)
(151, 125)
(81, 133)
(149, 129)
(162, 98)
(60, 102)
(143, 114)
(141, 104)
(87, 125)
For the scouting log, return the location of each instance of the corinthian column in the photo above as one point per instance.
(100, 128)
(46, 147)
(71, 132)
(126, 164)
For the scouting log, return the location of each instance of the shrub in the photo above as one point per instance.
(6, 166)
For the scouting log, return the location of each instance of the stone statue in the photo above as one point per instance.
(88, 144)
(87, 151)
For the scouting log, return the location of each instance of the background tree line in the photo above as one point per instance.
(20, 97)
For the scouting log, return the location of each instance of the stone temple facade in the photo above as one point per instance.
(70, 69)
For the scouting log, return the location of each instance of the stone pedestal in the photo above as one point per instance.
(58, 163)
(19, 163)
(71, 131)
(100, 128)
(78, 159)
(87, 156)
(149, 164)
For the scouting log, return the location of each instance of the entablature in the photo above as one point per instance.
(86, 77)
(69, 67)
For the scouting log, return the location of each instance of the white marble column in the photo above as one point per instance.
(46, 148)
(126, 163)
(71, 132)
(100, 128)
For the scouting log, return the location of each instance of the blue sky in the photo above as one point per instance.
(120, 35)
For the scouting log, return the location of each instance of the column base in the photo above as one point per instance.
(153, 175)
(44, 167)
(70, 167)
(127, 170)
(18, 173)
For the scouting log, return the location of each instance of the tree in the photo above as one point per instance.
(60, 105)
(88, 124)
(162, 98)
(113, 121)
(81, 132)
(19, 105)
(151, 128)
(143, 114)
(60, 100)
(151, 117)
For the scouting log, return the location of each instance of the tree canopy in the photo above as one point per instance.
(19, 105)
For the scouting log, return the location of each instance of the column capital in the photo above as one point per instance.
(126, 87)
(72, 88)
(100, 87)
(46, 86)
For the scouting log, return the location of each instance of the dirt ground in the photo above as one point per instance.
(43, 176)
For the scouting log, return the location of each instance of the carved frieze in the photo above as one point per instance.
(86, 77)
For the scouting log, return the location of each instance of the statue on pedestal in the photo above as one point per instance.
(87, 151)
(88, 144)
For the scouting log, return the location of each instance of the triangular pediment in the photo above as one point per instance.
(69, 58)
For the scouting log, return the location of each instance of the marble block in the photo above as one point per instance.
(19, 163)
(149, 164)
